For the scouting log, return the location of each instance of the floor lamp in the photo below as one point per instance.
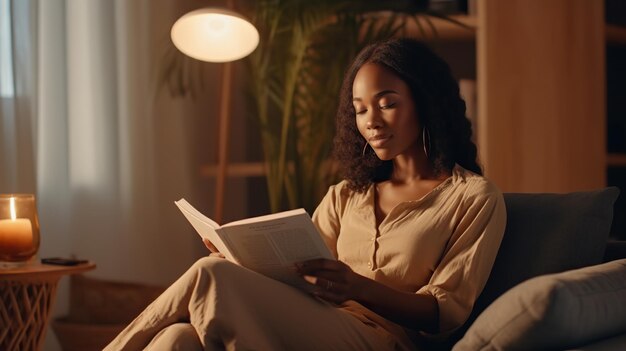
(217, 35)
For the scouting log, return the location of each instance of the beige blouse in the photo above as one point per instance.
(443, 244)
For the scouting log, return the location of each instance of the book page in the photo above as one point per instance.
(204, 226)
(266, 218)
(269, 244)
(273, 245)
(183, 204)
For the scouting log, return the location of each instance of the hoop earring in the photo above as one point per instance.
(364, 148)
(426, 134)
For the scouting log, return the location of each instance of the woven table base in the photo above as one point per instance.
(27, 296)
(23, 313)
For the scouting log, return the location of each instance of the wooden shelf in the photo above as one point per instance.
(616, 160)
(615, 34)
(434, 28)
(446, 30)
(250, 169)
(450, 31)
(244, 169)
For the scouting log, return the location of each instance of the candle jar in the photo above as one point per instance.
(19, 229)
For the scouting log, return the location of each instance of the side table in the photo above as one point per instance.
(27, 296)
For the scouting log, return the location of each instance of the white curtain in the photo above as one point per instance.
(110, 159)
(83, 127)
(18, 99)
(105, 155)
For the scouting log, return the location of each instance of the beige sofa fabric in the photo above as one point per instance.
(563, 310)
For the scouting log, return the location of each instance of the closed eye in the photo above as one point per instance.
(360, 112)
(385, 107)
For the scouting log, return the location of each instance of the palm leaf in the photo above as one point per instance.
(296, 74)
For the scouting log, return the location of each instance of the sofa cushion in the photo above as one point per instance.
(615, 250)
(549, 233)
(546, 233)
(554, 311)
(609, 344)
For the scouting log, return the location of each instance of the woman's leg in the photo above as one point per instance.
(176, 337)
(232, 306)
(169, 308)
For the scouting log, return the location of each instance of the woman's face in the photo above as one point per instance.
(386, 114)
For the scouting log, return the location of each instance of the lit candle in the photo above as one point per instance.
(16, 234)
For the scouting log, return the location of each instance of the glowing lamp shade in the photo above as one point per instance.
(214, 35)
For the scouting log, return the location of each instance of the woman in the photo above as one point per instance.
(414, 225)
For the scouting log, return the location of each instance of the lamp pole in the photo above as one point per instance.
(223, 138)
(217, 35)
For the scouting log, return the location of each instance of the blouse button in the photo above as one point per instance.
(369, 264)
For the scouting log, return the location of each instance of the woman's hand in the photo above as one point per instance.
(334, 280)
(214, 251)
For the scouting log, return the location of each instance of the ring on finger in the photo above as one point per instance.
(329, 285)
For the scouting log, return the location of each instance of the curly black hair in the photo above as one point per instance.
(440, 110)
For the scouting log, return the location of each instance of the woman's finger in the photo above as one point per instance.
(337, 298)
(334, 276)
(209, 245)
(329, 290)
(315, 265)
(322, 284)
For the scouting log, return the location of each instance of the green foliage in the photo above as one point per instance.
(296, 74)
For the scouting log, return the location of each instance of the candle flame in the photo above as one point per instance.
(12, 201)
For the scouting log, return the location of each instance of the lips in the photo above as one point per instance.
(379, 140)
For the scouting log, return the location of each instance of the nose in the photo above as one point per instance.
(374, 121)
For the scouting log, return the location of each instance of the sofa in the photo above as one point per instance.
(555, 284)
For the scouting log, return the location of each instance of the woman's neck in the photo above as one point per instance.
(411, 167)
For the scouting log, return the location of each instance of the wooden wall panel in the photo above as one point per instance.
(541, 86)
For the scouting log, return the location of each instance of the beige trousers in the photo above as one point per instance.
(217, 305)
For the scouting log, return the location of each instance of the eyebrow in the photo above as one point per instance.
(378, 95)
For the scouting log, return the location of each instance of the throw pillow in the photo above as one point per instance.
(554, 311)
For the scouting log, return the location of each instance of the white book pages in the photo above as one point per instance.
(204, 226)
(269, 244)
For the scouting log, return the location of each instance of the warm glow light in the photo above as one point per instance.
(12, 208)
(214, 35)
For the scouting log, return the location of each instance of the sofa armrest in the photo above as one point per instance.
(615, 250)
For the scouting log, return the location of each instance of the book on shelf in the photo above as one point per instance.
(269, 244)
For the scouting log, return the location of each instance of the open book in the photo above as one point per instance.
(269, 244)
